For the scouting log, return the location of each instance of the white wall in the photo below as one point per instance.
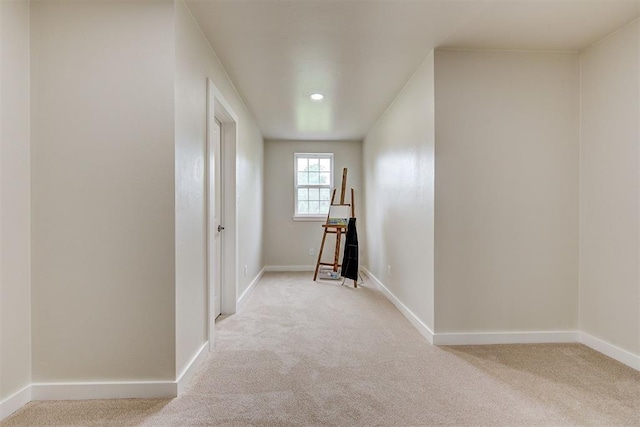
(506, 191)
(102, 116)
(609, 190)
(399, 178)
(195, 62)
(287, 242)
(15, 216)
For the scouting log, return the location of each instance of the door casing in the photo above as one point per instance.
(219, 109)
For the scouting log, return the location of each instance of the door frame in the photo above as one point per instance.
(220, 236)
(218, 108)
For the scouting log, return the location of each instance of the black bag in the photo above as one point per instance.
(350, 258)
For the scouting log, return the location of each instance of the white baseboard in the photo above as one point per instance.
(608, 349)
(290, 268)
(529, 337)
(104, 390)
(14, 402)
(411, 317)
(254, 282)
(485, 338)
(525, 337)
(192, 367)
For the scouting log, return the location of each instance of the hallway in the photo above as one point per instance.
(301, 353)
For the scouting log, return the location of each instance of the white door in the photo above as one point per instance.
(215, 221)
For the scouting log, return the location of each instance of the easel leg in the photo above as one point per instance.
(336, 255)
(324, 237)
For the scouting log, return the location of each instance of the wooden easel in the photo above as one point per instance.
(337, 229)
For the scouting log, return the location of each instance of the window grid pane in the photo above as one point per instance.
(314, 194)
(325, 178)
(314, 178)
(303, 178)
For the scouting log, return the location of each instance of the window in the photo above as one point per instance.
(313, 184)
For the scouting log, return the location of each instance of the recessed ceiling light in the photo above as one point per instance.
(316, 96)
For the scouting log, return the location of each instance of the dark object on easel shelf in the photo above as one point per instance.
(350, 258)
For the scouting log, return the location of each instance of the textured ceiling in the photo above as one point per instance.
(360, 53)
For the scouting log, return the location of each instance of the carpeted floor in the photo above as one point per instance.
(308, 354)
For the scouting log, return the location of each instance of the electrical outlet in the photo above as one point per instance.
(388, 271)
(246, 271)
(312, 252)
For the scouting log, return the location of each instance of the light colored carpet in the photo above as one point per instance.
(309, 354)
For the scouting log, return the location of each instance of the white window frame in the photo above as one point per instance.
(309, 217)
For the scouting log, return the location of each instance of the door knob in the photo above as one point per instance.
(220, 228)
